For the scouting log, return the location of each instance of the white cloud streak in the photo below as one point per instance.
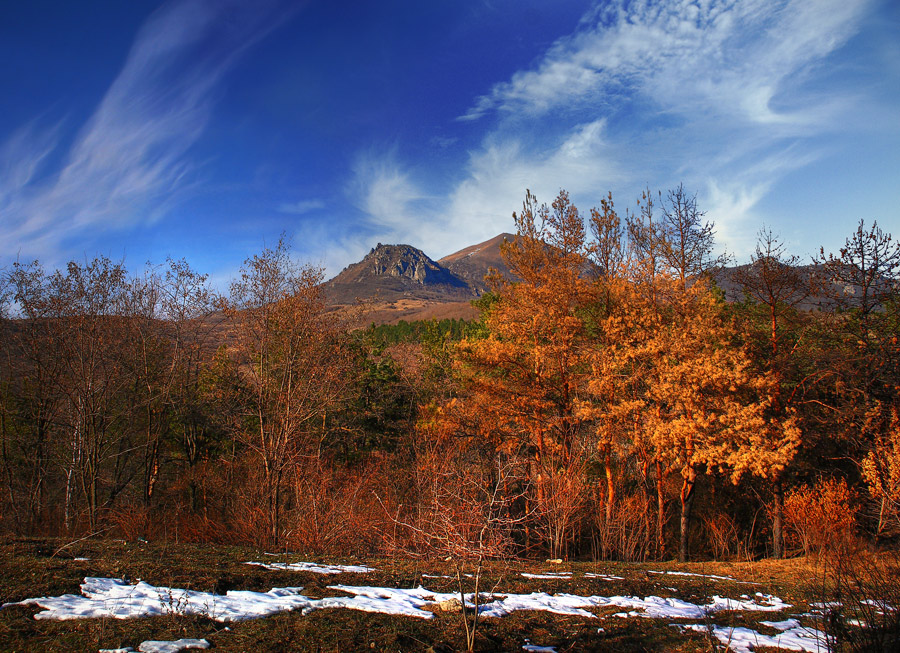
(711, 92)
(130, 161)
(714, 56)
(398, 208)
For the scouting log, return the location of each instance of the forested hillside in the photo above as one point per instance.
(608, 403)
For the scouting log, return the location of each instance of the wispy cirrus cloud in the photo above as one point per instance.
(399, 207)
(130, 161)
(719, 57)
(726, 96)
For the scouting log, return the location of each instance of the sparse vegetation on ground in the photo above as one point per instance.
(50, 567)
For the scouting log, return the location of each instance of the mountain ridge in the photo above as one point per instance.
(402, 282)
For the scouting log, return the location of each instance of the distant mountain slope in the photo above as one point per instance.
(472, 263)
(391, 272)
(402, 282)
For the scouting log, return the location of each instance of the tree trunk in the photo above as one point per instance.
(610, 489)
(687, 500)
(778, 521)
(660, 514)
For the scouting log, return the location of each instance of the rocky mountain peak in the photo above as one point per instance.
(404, 261)
(392, 271)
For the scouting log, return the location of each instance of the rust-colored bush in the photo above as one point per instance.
(628, 534)
(722, 534)
(820, 518)
(336, 511)
(132, 522)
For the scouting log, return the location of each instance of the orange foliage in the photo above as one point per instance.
(820, 518)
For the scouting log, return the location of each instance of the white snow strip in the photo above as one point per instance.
(152, 646)
(313, 567)
(687, 573)
(787, 624)
(114, 598)
(651, 606)
(745, 640)
(172, 647)
(551, 575)
(532, 648)
(602, 576)
(442, 576)
(881, 604)
(827, 605)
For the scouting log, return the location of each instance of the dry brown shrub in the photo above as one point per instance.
(858, 595)
(560, 500)
(820, 518)
(133, 522)
(722, 534)
(336, 511)
(198, 529)
(249, 525)
(629, 534)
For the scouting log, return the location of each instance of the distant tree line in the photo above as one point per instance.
(447, 329)
(608, 402)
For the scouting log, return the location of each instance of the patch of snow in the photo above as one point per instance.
(687, 573)
(117, 599)
(532, 648)
(114, 598)
(602, 576)
(787, 624)
(745, 640)
(550, 575)
(407, 602)
(313, 567)
(827, 605)
(172, 647)
(152, 646)
(80, 559)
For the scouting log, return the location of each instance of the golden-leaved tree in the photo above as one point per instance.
(670, 384)
(775, 286)
(521, 383)
(707, 408)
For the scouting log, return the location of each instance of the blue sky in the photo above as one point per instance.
(204, 128)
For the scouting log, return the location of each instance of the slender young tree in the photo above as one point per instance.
(291, 360)
(686, 241)
(778, 285)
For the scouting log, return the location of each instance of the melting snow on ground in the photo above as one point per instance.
(550, 575)
(115, 598)
(313, 567)
(162, 647)
(793, 637)
(712, 576)
(533, 648)
(603, 576)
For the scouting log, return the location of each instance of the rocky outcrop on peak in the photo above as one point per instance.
(390, 272)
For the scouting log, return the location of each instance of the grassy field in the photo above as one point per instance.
(41, 567)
